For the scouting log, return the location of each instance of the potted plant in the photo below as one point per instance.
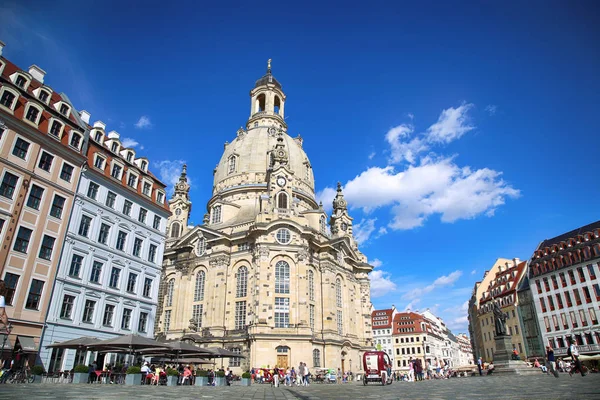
(246, 379)
(81, 374)
(37, 371)
(201, 378)
(172, 377)
(134, 376)
(220, 378)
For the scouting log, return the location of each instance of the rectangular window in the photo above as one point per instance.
(21, 147)
(7, 99)
(593, 317)
(167, 321)
(240, 314)
(75, 267)
(131, 281)
(46, 247)
(46, 161)
(543, 304)
(516, 330)
(88, 311)
(156, 223)
(35, 294)
(563, 319)
(235, 361)
(282, 312)
(11, 281)
(340, 322)
(116, 171)
(546, 285)
(573, 319)
(563, 280)
(127, 207)
(111, 199)
(243, 246)
(577, 296)
(92, 191)
(132, 181)
(8, 185)
(99, 162)
(581, 274)
(75, 140)
(121, 238)
(160, 197)
(568, 298)
(109, 311)
(103, 234)
(586, 293)
(96, 271)
(137, 247)
(547, 324)
(147, 287)
(126, 319)
(67, 307)
(147, 190)
(554, 282)
(555, 322)
(582, 318)
(67, 172)
(57, 206)
(115, 273)
(551, 303)
(84, 225)
(142, 216)
(152, 253)
(559, 301)
(591, 271)
(572, 277)
(142, 322)
(35, 197)
(597, 291)
(22, 241)
(312, 316)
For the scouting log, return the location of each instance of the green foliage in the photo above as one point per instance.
(80, 369)
(247, 375)
(172, 372)
(201, 373)
(39, 369)
(134, 370)
(221, 374)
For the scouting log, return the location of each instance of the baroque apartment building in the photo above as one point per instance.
(42, 139)
(266, 275)
(381, 322)
(564, 280)
(109, 273)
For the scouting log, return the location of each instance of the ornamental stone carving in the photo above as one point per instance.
(183, 267)
(219, 261)
(302, 254)
(260, 252)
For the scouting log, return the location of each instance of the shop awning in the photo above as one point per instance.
(27, 344)
(5, 343)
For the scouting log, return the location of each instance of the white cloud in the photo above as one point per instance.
(381, 284)
(363, 230)
(491, 109)
(371, 155)
(400, 148)
(129, 142)
(451, 125)
(143, 122)
(326, 196)
(169, 172)
(411, 116)
(442, 281)
(473, 272)
(376, 262)
(122, 125)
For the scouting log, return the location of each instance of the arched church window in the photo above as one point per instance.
(216, 214)
(231, 165)
(199, 287)
(170, 289)
(277, 104)
(311, 285)
(175, 229)
(201, 246)
(282, 200)
(282, 277)
(242, 282)
(338, 292)
(323, 225)
(260, 102)
(316, 358)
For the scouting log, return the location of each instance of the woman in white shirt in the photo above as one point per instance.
(5, 326)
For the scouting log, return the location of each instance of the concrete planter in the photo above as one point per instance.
(201, 380)
(220, 381)
(133, 379)
(246, 381)
(81, 377)
(172, 380)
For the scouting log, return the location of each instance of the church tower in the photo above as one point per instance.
(340, 222)
(267, 102)
(180, 206)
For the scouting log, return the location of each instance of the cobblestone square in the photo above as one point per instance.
(495, 387)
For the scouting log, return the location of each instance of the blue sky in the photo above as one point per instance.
(461, 132)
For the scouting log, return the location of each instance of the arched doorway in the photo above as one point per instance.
(283, 356)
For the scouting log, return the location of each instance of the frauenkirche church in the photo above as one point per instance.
(266, 275)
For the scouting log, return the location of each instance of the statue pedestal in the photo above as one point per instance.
(503, 364)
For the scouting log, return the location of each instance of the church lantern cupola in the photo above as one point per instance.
(340, 222)
(267, 102)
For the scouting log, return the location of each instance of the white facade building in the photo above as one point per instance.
(381, 322)
(109, 273)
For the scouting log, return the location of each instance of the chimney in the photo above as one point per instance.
(100, 125)
(113, 135)
(1, 46)
(85, 116)
(37, 73)
(516, 261)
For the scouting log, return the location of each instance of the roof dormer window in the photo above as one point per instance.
(98, 136)
(21, 81)
(7, 98)
(33, 114)
(75, 140)
(43, 96)
(144, 166)
(56, 128)
(64, 109)
(129, 156)
(114, 147)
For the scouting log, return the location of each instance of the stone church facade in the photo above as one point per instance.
(266, 274)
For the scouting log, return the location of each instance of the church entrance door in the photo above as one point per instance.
(282, 361)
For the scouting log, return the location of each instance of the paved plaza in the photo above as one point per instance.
(494, 387)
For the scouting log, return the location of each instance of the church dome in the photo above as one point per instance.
(246, 161)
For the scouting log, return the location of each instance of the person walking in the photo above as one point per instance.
(551, 362)
(411, 370)
(339, 376)
(574, 353)
(479, 366)
(306, 375)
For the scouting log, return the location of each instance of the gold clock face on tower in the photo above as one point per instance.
(281, 181)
